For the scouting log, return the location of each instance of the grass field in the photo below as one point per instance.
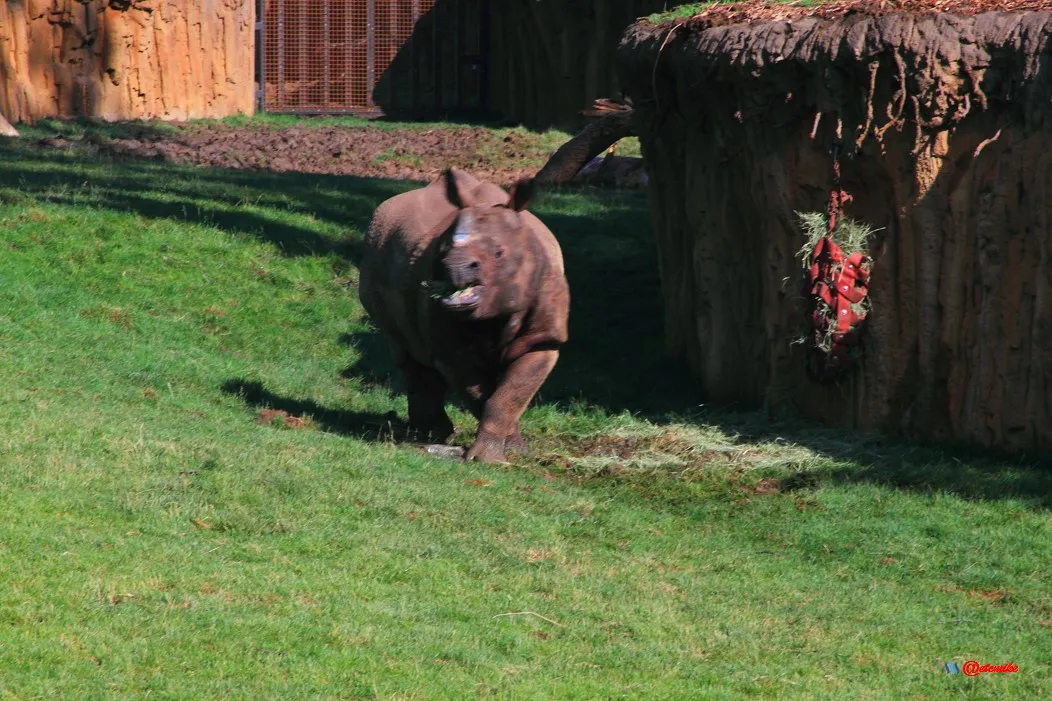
(168, 535)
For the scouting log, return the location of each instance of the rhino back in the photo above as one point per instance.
(393, 264)
(549, 244)
(405, 220)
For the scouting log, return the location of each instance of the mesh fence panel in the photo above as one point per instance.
(337, 55)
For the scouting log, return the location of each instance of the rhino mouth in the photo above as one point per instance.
(451, 297)
(464, 298)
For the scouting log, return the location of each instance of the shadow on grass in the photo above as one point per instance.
(81, 127)
(615, 358)
(370, 426)
(981, 479)
(211, 197)
(375, 364)
(911, 465)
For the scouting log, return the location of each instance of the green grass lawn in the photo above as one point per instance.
(162, 538)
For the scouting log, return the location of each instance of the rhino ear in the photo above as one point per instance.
(459, 197)
(521, 194)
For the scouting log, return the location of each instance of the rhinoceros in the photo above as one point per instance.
(469, 289)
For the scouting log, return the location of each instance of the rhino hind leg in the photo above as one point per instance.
(426, 392)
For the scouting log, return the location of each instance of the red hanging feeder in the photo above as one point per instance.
(836, 285)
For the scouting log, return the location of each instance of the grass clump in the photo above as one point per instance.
(850, 235)
(680, 11)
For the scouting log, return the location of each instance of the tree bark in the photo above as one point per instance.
(595, 138)
(141, 59)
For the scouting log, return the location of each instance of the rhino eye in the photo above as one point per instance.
(499, 253)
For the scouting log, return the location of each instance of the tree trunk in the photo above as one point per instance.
(138, 59)
(946, 148)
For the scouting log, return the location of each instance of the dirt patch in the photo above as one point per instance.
(758, 10)
(622, 448)
(993, 596)
(415, 154)
(282, 419)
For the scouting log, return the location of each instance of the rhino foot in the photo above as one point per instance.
(516, 443)
(488, 447)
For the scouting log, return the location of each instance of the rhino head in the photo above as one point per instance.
(488, 263)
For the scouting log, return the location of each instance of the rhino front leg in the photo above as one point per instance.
(503, 409)
(426, 394)
(476, 403)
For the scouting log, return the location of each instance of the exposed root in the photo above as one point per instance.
(919, 141)
(874, 68)
(986, 142)
(977, 89)
(814, 127)
(657, 60)
(899, 100)
(960, 114)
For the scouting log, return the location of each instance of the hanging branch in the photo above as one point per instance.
(595, 138)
